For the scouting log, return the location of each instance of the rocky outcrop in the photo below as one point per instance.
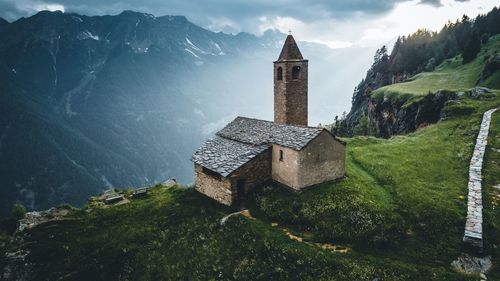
(469, 264)
(491, 66)
(15, 266)
(35, 218)
(402, 114)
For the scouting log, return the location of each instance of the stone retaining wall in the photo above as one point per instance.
(474, 224)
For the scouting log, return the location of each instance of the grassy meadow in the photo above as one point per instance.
(450, 75)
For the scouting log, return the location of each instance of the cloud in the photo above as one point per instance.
(435, 3)
(218, 15)
(338, 24)
(13, 9)
(207, 11)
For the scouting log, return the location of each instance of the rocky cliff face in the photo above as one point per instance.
(405, 114)
(393, 117)
(384, 115)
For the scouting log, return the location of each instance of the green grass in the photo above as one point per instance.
(175, 235)
(403, 197)
(493, 81)
(450, 75)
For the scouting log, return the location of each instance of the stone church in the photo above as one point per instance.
(249, 152)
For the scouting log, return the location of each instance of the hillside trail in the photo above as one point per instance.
(293, 236)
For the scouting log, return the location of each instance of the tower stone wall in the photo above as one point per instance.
(290, 86)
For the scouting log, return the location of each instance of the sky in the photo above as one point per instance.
(339, 24)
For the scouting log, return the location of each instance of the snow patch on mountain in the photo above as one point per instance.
(87, 35)
(192, 53)
(194, 47)
(217, 48)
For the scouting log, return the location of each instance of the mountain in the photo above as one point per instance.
(90, 103)
(96, 102)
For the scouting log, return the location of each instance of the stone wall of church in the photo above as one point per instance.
(212, 185)
(255, 172)
(223, 189)
(285, 166)
(290, 95)
(323, 159)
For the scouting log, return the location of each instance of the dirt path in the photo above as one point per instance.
(326, 246)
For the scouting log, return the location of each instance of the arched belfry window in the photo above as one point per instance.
(295, 72)
(279, 75)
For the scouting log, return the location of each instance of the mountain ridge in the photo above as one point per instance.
(62, 83)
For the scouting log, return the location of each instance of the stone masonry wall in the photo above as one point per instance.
(473, 234)
(223, 189)
(255, 172)
(323, 159)
(216, 188)
(290, 95)
(285, 171)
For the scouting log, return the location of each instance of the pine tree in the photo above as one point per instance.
(472, 47)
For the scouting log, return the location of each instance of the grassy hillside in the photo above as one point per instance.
(404, 197)
(175, 235)
(450, 75)
(400, 212)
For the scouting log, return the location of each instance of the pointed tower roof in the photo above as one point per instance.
(290, 50)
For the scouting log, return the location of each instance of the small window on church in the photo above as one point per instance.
(281, 155)
(280, 73)
(295, 72)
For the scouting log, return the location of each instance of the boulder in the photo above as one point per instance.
(470, 264)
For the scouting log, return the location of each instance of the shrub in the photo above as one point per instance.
(18, 212)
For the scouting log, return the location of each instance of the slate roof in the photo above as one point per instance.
(259, 132)
(225, 156)
(245, 138)
(290, 50)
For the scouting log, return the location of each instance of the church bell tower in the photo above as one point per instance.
(290, 85)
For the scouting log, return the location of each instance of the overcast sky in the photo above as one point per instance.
(339, 23)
